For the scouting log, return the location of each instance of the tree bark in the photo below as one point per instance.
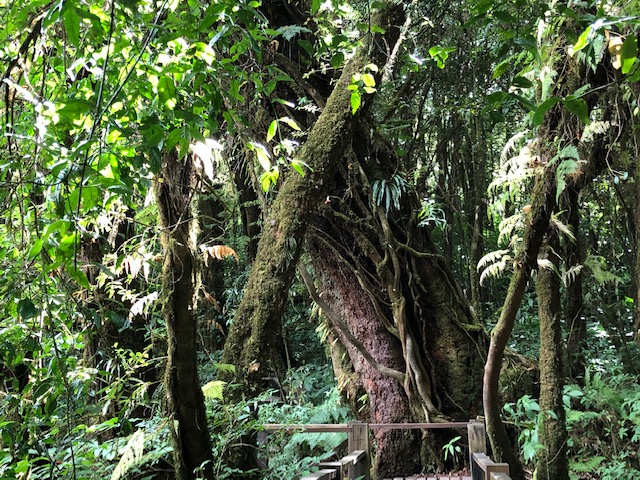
(573, 258)
(552, 459)
(542, 207)
(254, 339)
(174, 190)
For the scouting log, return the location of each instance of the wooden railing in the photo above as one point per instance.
(356, 465)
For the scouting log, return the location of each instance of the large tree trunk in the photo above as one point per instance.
(174, 191)
(254, 339)
(410, 334)
(552, 459)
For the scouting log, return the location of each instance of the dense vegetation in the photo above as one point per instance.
(220, 214)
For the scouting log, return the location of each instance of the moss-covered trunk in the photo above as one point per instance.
(174, 189)
(409, 333)
(552, 459)
(573, 258)
(254, 339)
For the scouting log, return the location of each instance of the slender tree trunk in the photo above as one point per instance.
(552, 459)
(174, 191)
(542, 207)
(573, 259)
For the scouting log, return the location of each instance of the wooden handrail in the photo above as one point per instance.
(357, 462)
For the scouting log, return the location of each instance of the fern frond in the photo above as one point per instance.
(510, 145)
(213, 390)
(496, 269)
(588, 465)
(131, 457)
(570, 275)
(491, 257)
(507, 226)
(594, 129)
(219, 252)
(562, 227)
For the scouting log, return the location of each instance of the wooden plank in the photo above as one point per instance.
(412, 426)
(477, 444)
(499, 476)
(496, 468)
(359, 442)
(321, 475)
(337, 466)
(312, 427)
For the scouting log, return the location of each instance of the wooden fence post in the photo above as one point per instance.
(359, 440)
(477, 444)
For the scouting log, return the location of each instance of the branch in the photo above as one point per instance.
(340, 325)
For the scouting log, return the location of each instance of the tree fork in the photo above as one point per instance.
(255, 334)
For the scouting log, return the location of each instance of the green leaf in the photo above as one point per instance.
(271, 132)
(501, 68)
(167, 91)
(543, 108)
(522, 82)
(369, 80)
(356, 101)
(337, 59)
(263, 158)
(297, 166)
(582, 41)
(291, 122)
(26, 309)
(579, 108)
(71, 22)
(629, 53)
(35, 249)
(79, 276)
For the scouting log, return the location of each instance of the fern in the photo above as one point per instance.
(570, 275)
(290, 31)
(495, 269)
(586, 465)
(510, 146)
(507, 226)
(131, 457)
(213, 390)
(219, 252)
(491, 257)
(593, 130)
(563, 228)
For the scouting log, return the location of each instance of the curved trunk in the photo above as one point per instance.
(180, 283)
(253, 344)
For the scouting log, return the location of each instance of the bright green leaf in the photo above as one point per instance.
(582, 41)
(543, 108)
(291, 122)
(629, 53)
(356, 101)
(369, 80)
(71, 22)
(271, 132)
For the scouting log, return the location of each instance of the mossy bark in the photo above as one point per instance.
(542, 207)
(573, 258)
(253, 344)
(552, 459)
(418, 348)
(174, 190)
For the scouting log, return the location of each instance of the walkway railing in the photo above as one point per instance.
(356, 465)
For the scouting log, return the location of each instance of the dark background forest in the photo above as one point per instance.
(216, 215)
